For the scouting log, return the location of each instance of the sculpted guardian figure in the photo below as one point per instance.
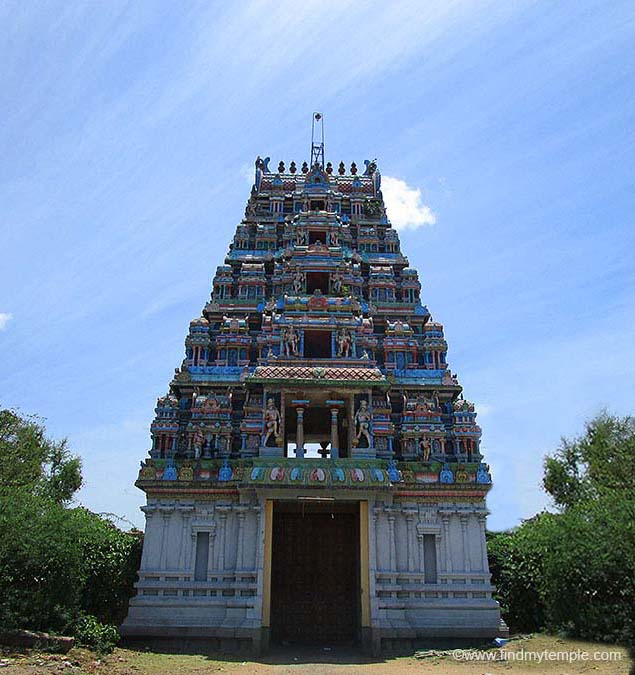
(272, 422)
(197, 442)
(290, 342)
(362, 421)
(344, 341)
(337, 282)
(298, 281)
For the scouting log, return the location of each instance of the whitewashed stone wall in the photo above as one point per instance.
(405, 604)
(168, 595)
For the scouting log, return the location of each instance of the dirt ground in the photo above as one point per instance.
(535, 655)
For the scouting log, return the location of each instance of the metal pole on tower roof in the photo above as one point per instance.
(317, 140)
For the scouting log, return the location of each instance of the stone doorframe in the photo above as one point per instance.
(364, 571)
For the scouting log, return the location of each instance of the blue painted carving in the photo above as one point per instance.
(256, 473)
(378, 475)
(297, 474)
(338, 474)
(225, 472)
(169, 473)
(393, 472)
(483, 475)
(446, 475)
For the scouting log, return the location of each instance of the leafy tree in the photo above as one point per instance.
(57, 564)
(30, 460)
(599, 463)
(574, 571)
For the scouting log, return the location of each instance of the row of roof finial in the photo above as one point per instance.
(263, 165)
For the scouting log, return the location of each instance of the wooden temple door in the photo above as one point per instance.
(315, 573)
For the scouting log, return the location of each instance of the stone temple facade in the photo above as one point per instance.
(315, 472)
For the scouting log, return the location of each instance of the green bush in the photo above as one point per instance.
(90, 632)
(574, 571)
(56, 562)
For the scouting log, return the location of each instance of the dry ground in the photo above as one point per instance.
(346, 661)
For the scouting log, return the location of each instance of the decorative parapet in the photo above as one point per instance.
(353, 377)
(367, 474)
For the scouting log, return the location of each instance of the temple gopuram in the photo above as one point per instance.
(315, 473)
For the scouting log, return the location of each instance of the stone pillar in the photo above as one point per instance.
(210, 555)
(299, 406)
(445, 520)
(299, 443)
(222, 517)
(335, 406)
(150, 514)
(240, 547)
(334, 439)
(376, 523)
(186, 514)
(409, 520)
(484, 561)
(166, 512)
(464, 540)
(420, 533)
(391, 542)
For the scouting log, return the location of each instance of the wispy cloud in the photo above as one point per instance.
(5, 317)
(405, 208)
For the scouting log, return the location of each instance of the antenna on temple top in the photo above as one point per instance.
(317, 140)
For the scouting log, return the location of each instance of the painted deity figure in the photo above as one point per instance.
(211, 403)
(344, 342)
(362, 421)
(290, 341)
(197, 441)
(272, 422)
(334, 238)
(424, 448)
(301, 237)
(298, 281)
(337, 282)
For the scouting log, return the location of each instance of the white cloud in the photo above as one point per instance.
(484, 409)
(405, 209)
(5, 317)
(247, 172)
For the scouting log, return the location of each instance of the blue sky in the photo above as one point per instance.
(128, 132)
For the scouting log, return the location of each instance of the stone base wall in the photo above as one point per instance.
(427, 564)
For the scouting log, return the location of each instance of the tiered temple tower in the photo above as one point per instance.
(315, 472)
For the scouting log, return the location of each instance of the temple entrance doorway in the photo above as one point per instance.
(315, 572)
